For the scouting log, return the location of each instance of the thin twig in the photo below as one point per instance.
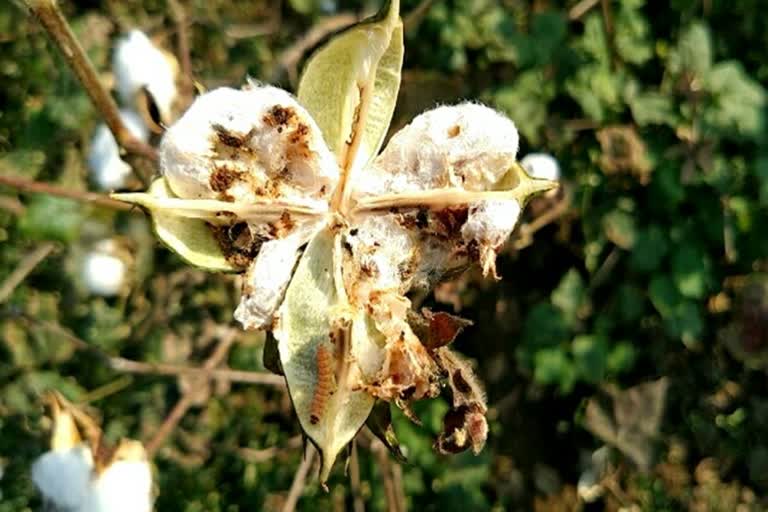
(40, 187)
(182, 45)
(288, 61)
(258, 456)
(609, 30)
(25, 267)
(354, 477)
(385, 467)
(55, 24)
(187, 400)
(412, 20)
(581, 8)
(397, 478)
(128, 366)
(121, 364)
(297, 487)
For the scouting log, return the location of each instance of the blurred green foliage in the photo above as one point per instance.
(657, 114)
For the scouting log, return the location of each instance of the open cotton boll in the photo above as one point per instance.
(137, 64)
(541, 166)
(267, 279)
(125, 485)
(239, 145)
(107, 170)
(103, 271)
(63, 477)
(467, 146)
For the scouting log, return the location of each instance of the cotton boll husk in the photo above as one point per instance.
(541, 166)
(490, 223)
(267, 278)
(103, 271)
(137, 63)
(239, 145)
(467, 146)
(107, 170)
(63, 476)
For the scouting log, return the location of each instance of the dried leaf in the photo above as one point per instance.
(380, 424)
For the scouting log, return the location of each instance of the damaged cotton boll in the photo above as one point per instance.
(243, 145)
(268, 277)
(541, 166)
(140, 65)
(467, 146)
(489, 224)
(381, 252)
(107, 170)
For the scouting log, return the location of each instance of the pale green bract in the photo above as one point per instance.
(263, 175)
(350, 86)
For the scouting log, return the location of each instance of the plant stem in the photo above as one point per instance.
(26, 266)
(55, 24)
(297, 487)
(40, 187)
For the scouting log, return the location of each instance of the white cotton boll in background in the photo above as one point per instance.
(467, 146)
(137, 64)
(103, 271)
(63, 477)
(239, 145)
(541, 166)
(107, 170)
(125, 485)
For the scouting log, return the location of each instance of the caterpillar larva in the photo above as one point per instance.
(324, 386)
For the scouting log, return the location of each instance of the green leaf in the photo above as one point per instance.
(620, 228)
(350, 86)
(652, 108)
(570, 295)
(649, 250)
(691, 271)
(694, 51)
(526, 100)
(590, 353)
(552, 366)
(307, 327)
(738, 102)
(190, 238)
(663, 295)
(621, 357)
(49, 217)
